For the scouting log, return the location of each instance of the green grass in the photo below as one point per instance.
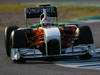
(14, 7)
(72, 12)
(65, 12)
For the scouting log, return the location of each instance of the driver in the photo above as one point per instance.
(44, 19)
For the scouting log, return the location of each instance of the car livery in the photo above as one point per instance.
(47, 38)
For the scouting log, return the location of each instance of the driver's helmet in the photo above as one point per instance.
(44, 19)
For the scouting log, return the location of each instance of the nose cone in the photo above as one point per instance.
(53, 47)
(51, 33)
(52, 40)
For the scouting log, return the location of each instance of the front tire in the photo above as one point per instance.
(8, 31)
(19, 41)
(85, 37)
(19, 61)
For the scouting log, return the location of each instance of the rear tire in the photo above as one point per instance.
(8, 31)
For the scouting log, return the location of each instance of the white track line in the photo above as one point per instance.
(83, 64)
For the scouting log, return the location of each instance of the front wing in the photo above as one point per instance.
(27, 53)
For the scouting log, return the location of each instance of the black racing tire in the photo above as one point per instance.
(85, 56)
(85, 36)
(8, 31)
(19, 41)
(19, 61)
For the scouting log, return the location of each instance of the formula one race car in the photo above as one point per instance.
(47, 38)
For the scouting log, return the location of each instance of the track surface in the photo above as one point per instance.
(93, 63)
(40, 68)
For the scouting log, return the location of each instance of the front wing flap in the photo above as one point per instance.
(26, 53)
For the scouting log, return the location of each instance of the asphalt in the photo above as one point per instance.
(7, 67)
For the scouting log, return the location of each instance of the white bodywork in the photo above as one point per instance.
(35, 53)
(52, 33)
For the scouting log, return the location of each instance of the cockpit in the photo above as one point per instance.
(44, 14)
